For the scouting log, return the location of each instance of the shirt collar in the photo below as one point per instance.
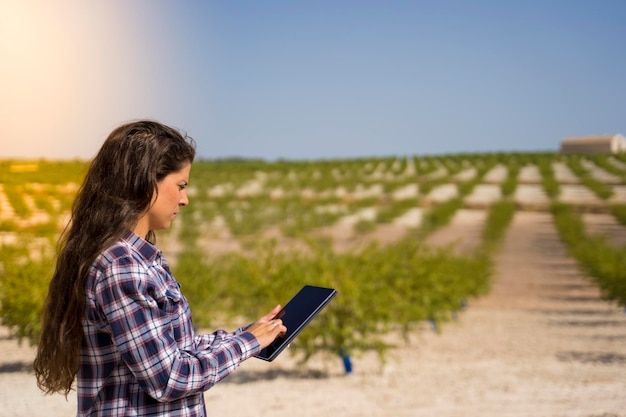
(145, 248)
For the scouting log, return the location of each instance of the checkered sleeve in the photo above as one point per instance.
(206, 341)
(150, 323)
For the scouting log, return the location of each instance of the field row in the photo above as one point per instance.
(235, 202)
(257, 231)
(247, 200)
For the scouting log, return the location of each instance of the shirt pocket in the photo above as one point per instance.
(169, 299)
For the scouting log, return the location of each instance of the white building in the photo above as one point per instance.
(594, 144)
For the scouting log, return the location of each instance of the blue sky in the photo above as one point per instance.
(314, 79)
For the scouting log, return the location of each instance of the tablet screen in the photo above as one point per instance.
(296, 314)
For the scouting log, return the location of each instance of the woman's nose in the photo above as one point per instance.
(184, 200)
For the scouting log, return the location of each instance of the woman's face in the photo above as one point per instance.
(171, 195)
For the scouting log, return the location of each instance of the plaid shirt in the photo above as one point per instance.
(140, 353)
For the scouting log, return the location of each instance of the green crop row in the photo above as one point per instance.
(619, 212)
(382, 289)
(509, 185)
(549, 182)
(603, 162)
(15, 195)
(604, 263)
(498, 219)
(24, 277)
(600, 189)
(420, 283)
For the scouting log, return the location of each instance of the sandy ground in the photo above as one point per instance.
(542, 343)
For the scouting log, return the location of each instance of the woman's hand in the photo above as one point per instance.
(267, 328)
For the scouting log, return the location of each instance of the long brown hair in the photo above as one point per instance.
(119, 186)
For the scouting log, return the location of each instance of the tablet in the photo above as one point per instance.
(296, 315)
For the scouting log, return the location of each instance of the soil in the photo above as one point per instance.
(542, 343)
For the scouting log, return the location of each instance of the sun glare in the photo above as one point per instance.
(57, 75)
(36, 78)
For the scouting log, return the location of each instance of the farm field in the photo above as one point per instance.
(542, 340)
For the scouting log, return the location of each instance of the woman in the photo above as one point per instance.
(115, 319)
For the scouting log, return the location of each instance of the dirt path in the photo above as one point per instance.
(463, 234)
(542, 344)
(559, 348)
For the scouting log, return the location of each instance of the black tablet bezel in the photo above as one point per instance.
(304, 306)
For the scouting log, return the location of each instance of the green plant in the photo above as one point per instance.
(15, 194)
(364, 226)
(605, 264)
(600, 189)
(619, 211)
(390, 210)
(23, 287)
(603, 162)
(509, 185)
(438, 216)
(550, 184)
(496, 224)
(420, 283)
